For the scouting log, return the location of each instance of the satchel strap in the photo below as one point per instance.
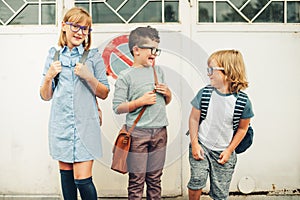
(144, 108)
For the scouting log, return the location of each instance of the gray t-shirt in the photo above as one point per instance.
(216, 131)
(133, 83)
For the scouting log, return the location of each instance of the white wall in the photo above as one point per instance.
(272, 61)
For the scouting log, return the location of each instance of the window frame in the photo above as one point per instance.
(241, 26)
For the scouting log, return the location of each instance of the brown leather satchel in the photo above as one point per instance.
(123, 141)
(122, 146)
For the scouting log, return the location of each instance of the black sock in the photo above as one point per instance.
(68, 186)
(86, 188)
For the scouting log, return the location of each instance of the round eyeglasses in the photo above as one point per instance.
(76, 27)
(210, 70)
(154, 51)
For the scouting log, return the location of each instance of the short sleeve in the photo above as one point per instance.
(196, 102)
(248, 111)
(121, 92)
(99, 67)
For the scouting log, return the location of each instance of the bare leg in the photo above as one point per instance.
(83, 170)
(194, 194)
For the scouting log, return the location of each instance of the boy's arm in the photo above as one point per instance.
(149, 98)
(168, 96)
(194, 119)
(238, 137)
(240, 134)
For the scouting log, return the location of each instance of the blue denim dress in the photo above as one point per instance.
(74, 129)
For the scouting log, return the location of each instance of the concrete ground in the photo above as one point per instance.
(256, 197)
(204, 197)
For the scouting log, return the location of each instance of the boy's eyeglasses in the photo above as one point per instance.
(154, 51)
(210, 70)
(75, 28)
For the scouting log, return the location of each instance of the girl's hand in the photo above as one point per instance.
(54, 69)
(149, 98)
(162, 89)
(82, 71)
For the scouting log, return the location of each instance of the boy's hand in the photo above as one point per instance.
(82, 71)
(54, 69)
(162, 89)
(149, 98)
(197, 151)
(165, 91)
(224, 157)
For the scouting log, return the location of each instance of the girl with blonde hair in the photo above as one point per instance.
(74, 127)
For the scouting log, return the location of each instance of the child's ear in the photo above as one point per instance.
(63, 26)
(135, 50)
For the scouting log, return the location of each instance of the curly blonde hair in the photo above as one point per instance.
(234, 68)
(76, 15)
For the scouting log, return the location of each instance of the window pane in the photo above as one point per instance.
(15, 4)
(252, 8)
(115, 3)
(29, 15)
(171, 11)
(151, 13)
(225, 13)
(83, 5)
(238, 3)
(272, 14)
(102, 14)
(130, 8)
(293, 12)
(205, 12)
(48, 14)
(6, 13)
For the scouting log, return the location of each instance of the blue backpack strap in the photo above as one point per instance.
(205, 98)
(204, 102)
(240, 104)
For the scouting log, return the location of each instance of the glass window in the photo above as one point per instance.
(226, 13)
(248, 11)
(23, 12)
(272, 13)
(293, 12)
(131, 11)
(205, 12)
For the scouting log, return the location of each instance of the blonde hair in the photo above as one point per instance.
(76, 15)
(234, 68)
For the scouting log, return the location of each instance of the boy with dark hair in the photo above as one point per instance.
(134, 89)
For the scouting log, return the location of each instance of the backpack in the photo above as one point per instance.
(238, 111)
(82, 60)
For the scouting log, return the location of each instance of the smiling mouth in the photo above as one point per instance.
(77, 37)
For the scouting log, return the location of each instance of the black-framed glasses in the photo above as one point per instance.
(76, 27)
(154, 51)
(210, 70)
